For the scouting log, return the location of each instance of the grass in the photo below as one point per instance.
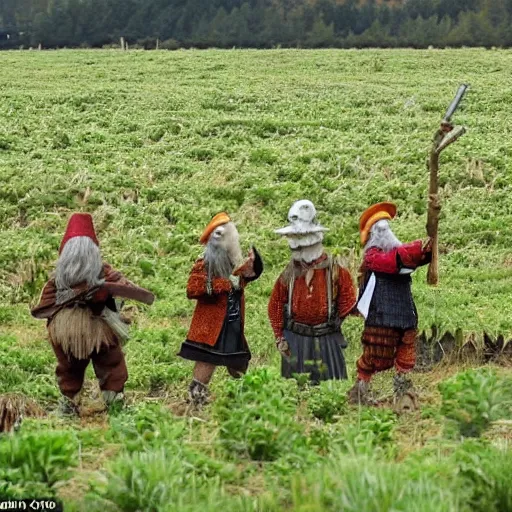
(154, 144)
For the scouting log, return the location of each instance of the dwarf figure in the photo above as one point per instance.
(82, 318)
(217, 282)
(309, 302)
(386, 303)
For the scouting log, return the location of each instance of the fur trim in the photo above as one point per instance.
(79, 332)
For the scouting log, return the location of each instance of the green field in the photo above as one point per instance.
(154, 144)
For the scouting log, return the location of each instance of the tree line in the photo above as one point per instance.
(173, 24)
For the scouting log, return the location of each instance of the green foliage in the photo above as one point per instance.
(473, 477)
(166, 475)
(328, 400)
(251, 132)
(144, 426)
(484, 471)
(372, 433)
(36, 461)
(154, 480)
(475, 398)
(30, 371)
(361, 483)
(256, 416)
(256, 24)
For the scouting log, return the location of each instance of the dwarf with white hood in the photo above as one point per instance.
(386, 303)
(309, 301)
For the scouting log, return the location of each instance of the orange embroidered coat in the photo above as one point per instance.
(211, 309)
(309, 304)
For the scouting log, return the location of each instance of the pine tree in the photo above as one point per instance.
(321, 35)
(495, 11)
(218, 28)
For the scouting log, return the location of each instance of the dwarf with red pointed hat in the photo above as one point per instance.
(217, 282)
(386, 303)
(309, 302)
(82, 318)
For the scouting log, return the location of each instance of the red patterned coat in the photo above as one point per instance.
(211, 308)
(309, 303)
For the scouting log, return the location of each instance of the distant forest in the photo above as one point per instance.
(174, 24)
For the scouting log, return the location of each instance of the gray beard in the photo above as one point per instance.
(79, 262)
(308, 254)
(218, 261)
(386, 241)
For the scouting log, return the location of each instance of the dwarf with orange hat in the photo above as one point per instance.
(386, 303)
(82, 318)
(309, 302)
(217, 282)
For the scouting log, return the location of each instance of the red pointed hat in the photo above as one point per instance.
(80, 224)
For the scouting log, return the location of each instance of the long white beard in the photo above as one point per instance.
(382, 237)
(306, 248)
(304, 241)
(224, 254)
(79, 262)
(308, 254)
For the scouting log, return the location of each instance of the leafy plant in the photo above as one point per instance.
(256, 415)
(363, 483)
(374, 433)
(36, 460)
(144, 426)
(484, 471)
(473, 399)
(160, 479)
(327, 400)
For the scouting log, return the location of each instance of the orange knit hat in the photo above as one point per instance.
(372, 215)
(219, 219)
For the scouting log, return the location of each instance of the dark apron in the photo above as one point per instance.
(316, 349)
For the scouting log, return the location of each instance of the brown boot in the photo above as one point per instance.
(113, 400)
(405, 400)
(69, 407)
(359, 394)
(198, 394)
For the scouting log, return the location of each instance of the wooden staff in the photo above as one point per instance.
(447, 134)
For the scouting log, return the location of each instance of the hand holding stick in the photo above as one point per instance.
(446, 134)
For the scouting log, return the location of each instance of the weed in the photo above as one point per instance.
(36, 460)
(256, 416)
(328, 400)
(475, 398)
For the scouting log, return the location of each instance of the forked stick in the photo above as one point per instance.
(447, 134)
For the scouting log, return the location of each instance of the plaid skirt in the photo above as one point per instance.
(320, 357)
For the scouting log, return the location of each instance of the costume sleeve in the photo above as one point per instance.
(411, 255)
(113, 276)
(408, 255)
(47, 299)
(117, 285)
(346, 293)
(377, 260)
(251, 269)
(197, 282)
(278, 299)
